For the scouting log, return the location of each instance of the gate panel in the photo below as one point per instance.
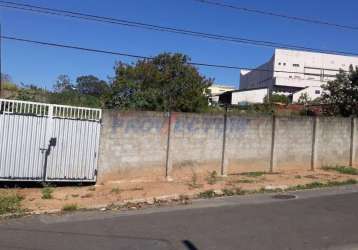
(48, 142)
(77, 131)
(22, 135)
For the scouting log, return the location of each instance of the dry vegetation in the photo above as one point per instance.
(204, 185)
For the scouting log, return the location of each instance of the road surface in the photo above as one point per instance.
(324, 219)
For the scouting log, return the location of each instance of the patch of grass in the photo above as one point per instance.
(253, 174)
(245, 181)
(207, 194)
(213, 178)
(70, 207)
(92, 189)
(47, 193)
(194, 182)
(342, 170)
(136, 189)
(10, 204)
(316, 184)
(298, 177)
(115, 190)
(75, 195)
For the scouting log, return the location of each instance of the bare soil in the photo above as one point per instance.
(112, 191)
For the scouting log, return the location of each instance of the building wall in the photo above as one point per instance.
(263, 77)
(312, 93)
(249, 96)
(313, 69)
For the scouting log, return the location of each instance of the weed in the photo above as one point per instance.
(254, 174)
(136, 189)
(194, 182)
(47, 193)
(342, 170)
(70, 207)
(207, 194)
(75, 195)
(298, 177)
(213, 178)
(92, 189)
(115, 190)
(228, 192)
(10, 204)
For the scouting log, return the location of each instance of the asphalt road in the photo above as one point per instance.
(325, 219)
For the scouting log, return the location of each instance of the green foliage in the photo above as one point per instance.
(166, 82)
(276, 98)
(91, 85)
(342, 170)
(47, 193)
(31, 93)
(10, 203)
(341, 95)
(207, 194)
(70, 207)
(254, 174)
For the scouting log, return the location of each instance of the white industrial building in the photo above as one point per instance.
(292, 73)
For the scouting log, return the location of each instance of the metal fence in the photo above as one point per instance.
(44, 142)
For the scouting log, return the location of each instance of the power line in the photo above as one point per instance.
(102, 19)
(109, 52)
(275, 14)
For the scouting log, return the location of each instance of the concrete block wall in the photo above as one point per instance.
(154, 143)
(293, 143)
(333, 141)
(248, 143)
(196, 139)
(133, 140)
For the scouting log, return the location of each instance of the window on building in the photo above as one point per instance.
(284, 64)
(279, 63)
(317, 92)
(296, 65)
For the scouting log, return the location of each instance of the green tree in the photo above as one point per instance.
(340, 96)
(165, 82)
(91, 85)
(63, 83)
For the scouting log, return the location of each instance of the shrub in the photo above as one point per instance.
(47, 193)
(70, 207)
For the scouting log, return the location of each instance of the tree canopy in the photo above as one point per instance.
(166, 82)
(341, 95)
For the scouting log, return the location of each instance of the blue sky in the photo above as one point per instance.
(32, 64)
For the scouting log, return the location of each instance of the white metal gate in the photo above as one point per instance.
(44, 142)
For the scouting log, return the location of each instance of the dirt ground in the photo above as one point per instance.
(110, 192)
